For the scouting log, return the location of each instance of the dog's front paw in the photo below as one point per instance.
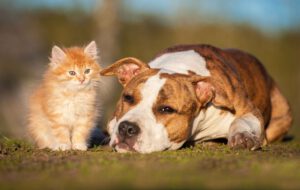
(244, 140)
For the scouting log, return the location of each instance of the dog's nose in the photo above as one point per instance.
(128, 129)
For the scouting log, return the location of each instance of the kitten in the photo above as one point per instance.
(63, 110)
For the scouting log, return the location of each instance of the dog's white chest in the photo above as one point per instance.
(211, 124)
(181, 62)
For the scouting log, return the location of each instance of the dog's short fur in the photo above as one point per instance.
(196, 93)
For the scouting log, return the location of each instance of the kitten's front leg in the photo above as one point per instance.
(80, 137)
(62, 138)
(246, 132)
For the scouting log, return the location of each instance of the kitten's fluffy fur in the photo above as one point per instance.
(63, 109)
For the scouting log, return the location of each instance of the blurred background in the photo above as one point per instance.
(269, 29)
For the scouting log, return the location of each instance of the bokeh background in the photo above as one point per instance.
(269, 29)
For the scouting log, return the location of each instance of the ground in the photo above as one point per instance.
(276, 166)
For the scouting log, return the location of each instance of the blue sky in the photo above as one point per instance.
(267, 15)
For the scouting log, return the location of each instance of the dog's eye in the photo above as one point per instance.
(128, 98)
(166, 110)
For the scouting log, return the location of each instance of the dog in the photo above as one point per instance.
(196, 93)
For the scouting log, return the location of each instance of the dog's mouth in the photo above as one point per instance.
(123, 145)
(123, 148)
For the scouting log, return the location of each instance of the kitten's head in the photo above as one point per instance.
(75, 68)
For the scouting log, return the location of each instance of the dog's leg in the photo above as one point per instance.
(246, 131)
(281, 117)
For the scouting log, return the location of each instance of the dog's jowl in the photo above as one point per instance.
(196, 93)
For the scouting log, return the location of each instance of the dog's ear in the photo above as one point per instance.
(204, 90)
(125, 69)
(207, 91)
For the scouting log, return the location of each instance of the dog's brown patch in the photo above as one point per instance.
(177, 93)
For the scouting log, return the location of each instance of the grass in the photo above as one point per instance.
(201, 167)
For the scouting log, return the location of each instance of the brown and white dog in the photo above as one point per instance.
(196, 93)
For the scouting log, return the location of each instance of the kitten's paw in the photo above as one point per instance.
(61, 147)
(79, 146)
(244, 140)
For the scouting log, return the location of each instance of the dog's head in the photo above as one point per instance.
(157, 108)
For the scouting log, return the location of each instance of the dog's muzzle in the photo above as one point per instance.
(126, 137)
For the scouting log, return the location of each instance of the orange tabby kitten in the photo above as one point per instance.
(63, 110)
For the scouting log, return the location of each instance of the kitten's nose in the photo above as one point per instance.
(128, 129)
(81, 80)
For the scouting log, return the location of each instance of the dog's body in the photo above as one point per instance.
(196, 93)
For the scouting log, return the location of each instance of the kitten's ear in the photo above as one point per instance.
(57, 56)
(91, 50)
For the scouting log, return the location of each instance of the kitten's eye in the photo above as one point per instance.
(166, 110)
(128, 98)
(72, 73)
(87, 71)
